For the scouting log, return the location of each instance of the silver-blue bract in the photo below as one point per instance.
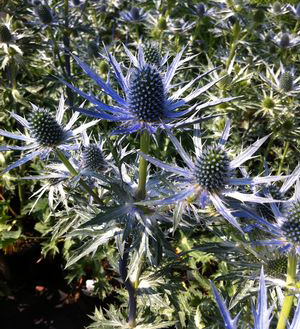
(262, 314)
(146, 102)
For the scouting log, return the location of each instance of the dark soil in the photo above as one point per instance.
(34, 294)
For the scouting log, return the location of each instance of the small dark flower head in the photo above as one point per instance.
(152, 54)
(291, 226)
(93, 158)
(146, 94)
(277, 267)
(200, 9)
(76, 2)
(45, 129)
(44, 14)
(211, 168)
(285, 40)
(93, 49)
(5, 35)
(286, 81)
(135, 13)
(103, 67)
(277, 7)
(162, 23)
(259, 16)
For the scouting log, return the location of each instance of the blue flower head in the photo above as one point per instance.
(146, 102)
(210, 177)
(135, 15)
(286, 230)
(45, 134)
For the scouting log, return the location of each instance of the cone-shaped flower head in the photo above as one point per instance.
(135, 15)
(146, 96)
(93, 158)
(152, 54)
(285, 40)
(5, 35)
(277, 267)
(211, 168)
(286, 81)
(277, 7)
(291, 226)
(200, 9)
(45, 129)
(44, 14)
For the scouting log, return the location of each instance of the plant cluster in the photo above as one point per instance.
(185, 179)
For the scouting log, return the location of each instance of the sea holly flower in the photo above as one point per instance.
(45, 134)
(285, 40)
(278, 8)
(283, 80)
(8, 38)
(147, 103)
(262, 314)
(211, 175)
(287, 227)
(92, 156)
(135, 15)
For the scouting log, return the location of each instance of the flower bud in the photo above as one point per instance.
(5, 35)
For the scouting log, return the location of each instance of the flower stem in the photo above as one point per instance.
(286, 147)
(289, 297)
(74, 172)
(128, 285)
(144, 147)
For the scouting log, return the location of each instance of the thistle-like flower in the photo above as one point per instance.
(285, 40)
(278, 8)
(92, 157)
(287, 227)
(146, 104)
(210, 176)
(46, 133)
(8, 38)
(200, 10)
(135, 15)
(44, 13)
(283, 80)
